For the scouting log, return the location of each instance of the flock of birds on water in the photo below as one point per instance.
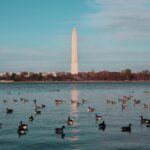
(23, 128)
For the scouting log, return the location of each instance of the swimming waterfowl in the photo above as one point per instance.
(91, 109)
(21, 99)
(37, 111)
(40, 106)
(144, 120)
(126, 129)
(15, 100)
(23, 126)
(70, 121)
(43, 105)
(59, 130)
(113, 102)
(31, 118)
(124, 106)
(22, 129)
(1, 125)
(98, 117)
(137, 101)
(146, 105)
(102, 126)
(25, 100)
(9, 111)
(58, 101)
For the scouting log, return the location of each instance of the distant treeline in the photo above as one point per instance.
(125, 75)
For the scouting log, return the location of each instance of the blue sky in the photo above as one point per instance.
(35, 35)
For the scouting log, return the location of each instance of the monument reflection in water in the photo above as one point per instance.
(74, 97)
(74, 115)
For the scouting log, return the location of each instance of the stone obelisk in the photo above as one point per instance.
(74, 58)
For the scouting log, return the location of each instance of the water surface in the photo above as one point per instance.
(84, 134)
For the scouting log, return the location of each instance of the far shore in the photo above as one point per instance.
(90, 81)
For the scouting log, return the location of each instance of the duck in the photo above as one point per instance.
(59, 130)
(1, 125)
(9, 111)
(31, 118)
(126, 129)
(97, 117)
(70, 121)
(144, 120)
(102, 126)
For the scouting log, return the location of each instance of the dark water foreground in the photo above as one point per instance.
(84, 134)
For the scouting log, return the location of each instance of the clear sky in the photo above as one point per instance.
(35, 35)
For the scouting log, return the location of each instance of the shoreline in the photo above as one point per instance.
(70, 82)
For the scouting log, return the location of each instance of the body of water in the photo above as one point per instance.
(84, 134)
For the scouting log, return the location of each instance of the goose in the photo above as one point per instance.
(124, 106)
(23, 126)
(97, 117)
(37, 111)
(26, 100)
(70, 121)
(21, 130)
(9, 111)
(59, 130)
(102, 126)
(31, 118)
(43, 106)
(40, 106)
(137, 101)
(21, 99)
(146, 105)
(58, 101)
(15, 100)
(90, 109)
(126, 129)
(144, 120)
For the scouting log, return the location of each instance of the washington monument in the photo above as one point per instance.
(74, 57)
